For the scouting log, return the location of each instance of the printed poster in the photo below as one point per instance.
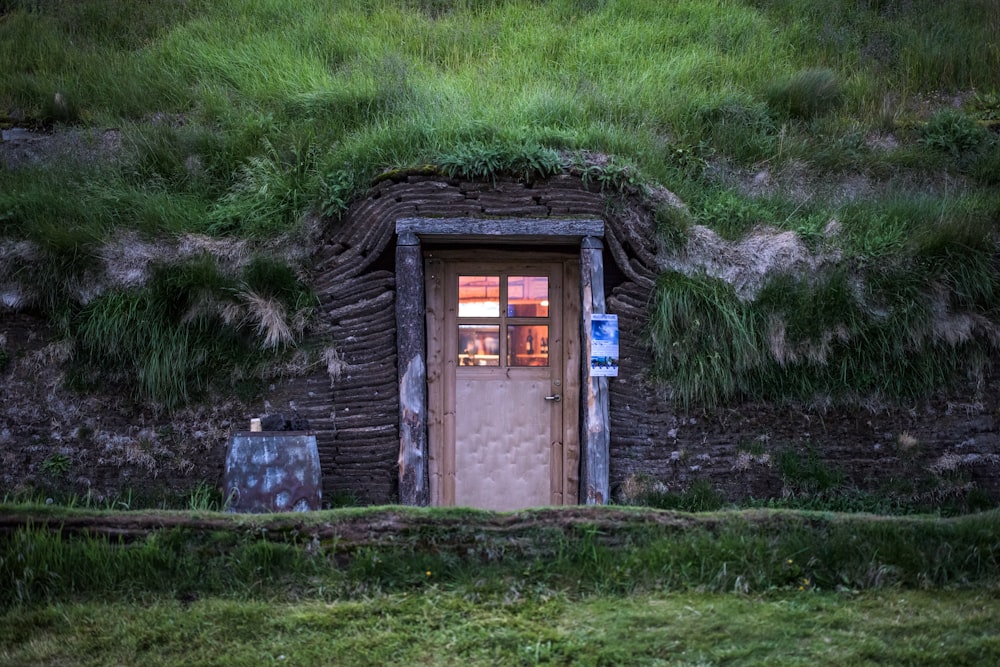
(604, 346)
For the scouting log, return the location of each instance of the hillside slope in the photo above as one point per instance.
(822, 178)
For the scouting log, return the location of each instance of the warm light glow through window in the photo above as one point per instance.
(479, 296)
(527, 296)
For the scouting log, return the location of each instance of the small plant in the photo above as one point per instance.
(805, 472)
(613, 176)
(952, 132)
(805, 95)
(56, 465)
(342, 498)
(205, 498)
(339, 189)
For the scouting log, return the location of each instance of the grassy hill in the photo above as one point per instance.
(218, 137)
(866, 129)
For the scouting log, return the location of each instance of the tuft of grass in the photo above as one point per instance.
(738, 127)
(806, 94)
(271, 194)
(985, 166)
(705, 338)
(802, 471)
(699, 496)
(171, 339)
(672, 225)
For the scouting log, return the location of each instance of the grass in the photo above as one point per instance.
(191, 325)
(908, 308)
(603, 553)
(706, 338)
(453, 586)
(245, 121)
(442, 627)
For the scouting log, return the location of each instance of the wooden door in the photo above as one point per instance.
(503, 433)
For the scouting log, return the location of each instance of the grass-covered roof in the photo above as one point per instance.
(867, 130)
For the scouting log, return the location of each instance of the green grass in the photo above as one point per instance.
(870, 324)
(244, 120)
(251, 82)
(441, 627)
(455, 587)
(607, 552)
(190, 326)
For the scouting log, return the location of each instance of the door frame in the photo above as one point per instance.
(417, 369)
(439, 266)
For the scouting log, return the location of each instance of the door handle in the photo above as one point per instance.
(554, 397)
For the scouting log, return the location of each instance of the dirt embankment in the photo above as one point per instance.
(346, 531)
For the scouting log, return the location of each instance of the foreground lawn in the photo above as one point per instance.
(897, 627)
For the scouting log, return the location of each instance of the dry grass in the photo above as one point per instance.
(268, 316)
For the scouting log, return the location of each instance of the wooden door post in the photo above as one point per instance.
(411, 345)
(595, 434)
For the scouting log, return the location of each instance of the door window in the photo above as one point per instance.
(479, 296)
(518, 305)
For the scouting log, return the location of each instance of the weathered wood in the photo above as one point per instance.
(411, 346)
(434, 296)
(470, 229)
(595, 434)
(571, 381)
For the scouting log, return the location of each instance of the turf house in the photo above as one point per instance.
(695, 253)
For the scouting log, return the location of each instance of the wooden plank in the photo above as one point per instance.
(449, 312)
(411, 346)
(434, 295)
(596, 432)
(486, 229)
(571, 381)
(557, 359)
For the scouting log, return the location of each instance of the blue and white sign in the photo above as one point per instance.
(604, 345)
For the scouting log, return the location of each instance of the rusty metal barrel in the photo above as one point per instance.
(273, 471)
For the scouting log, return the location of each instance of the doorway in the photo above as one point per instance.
(503, 378)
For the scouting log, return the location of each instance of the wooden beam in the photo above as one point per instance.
(411, 345)
(507, 230)
(595, 433)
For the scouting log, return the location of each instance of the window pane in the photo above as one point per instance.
(478, 345)
(527, 296)
(527, 345)
(479, 296)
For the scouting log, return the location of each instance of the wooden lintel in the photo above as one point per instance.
(507, 230)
